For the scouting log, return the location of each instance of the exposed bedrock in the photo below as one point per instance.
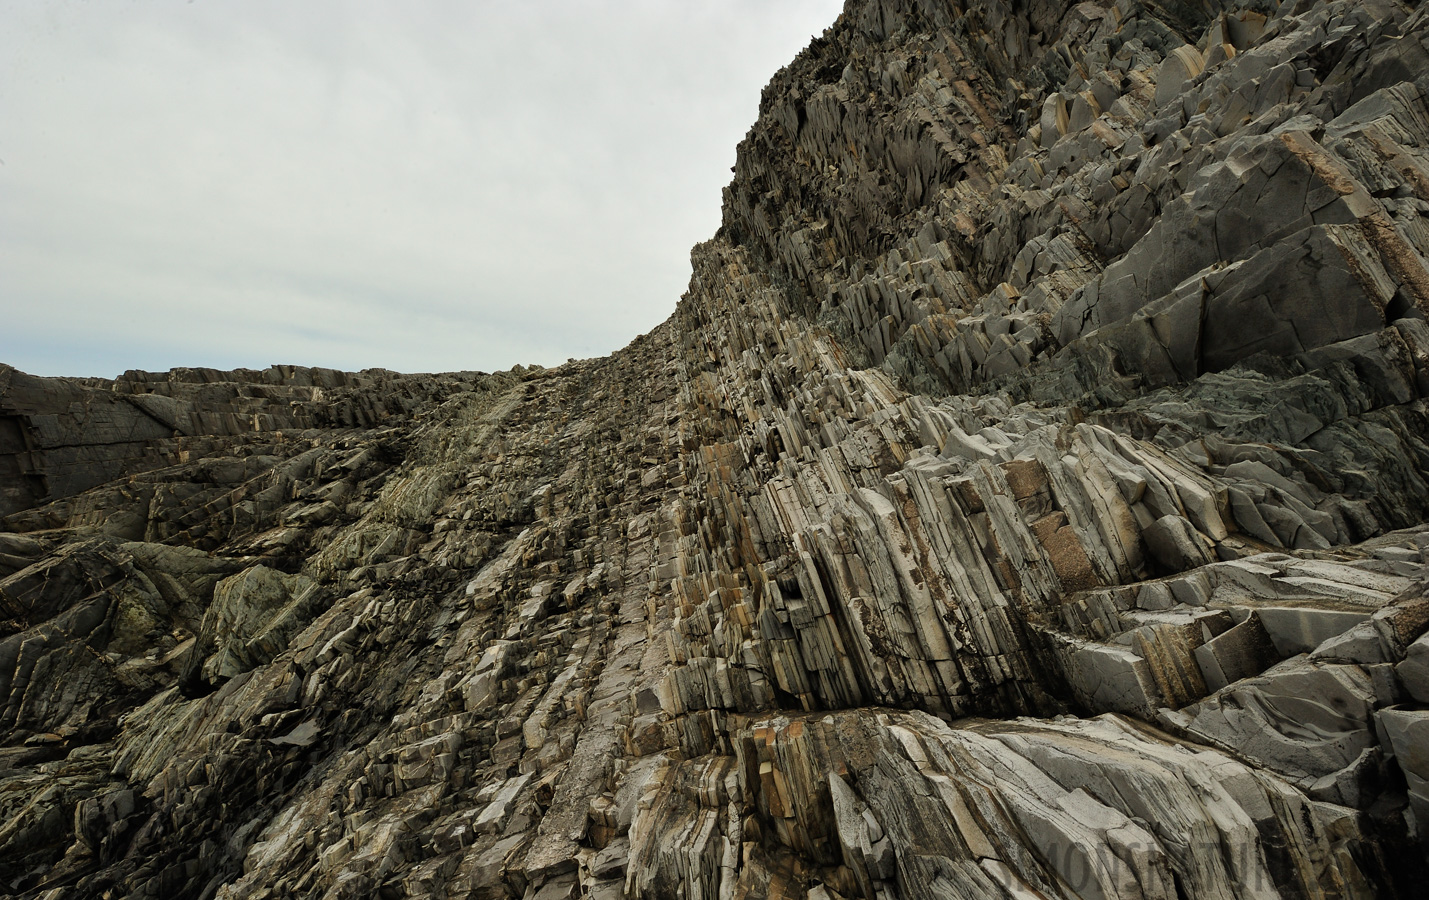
(1028, 498)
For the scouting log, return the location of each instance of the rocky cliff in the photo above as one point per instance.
(1028, 499)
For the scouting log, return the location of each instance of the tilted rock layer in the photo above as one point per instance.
(1028, 499)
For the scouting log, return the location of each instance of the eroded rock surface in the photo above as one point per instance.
(1027, 499)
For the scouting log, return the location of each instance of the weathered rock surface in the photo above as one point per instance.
(1029, 498)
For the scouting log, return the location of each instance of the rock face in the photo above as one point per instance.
(1027, 499)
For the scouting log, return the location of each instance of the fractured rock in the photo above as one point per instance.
(1027, 498)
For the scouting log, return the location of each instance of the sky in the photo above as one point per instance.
(430, 185)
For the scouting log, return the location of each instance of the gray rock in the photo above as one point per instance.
(1176, 544)
(1048, 358)
(252, 616)
(1303, 720)
(1413, 672)
(1407, 736)
(1238, 653)
(1298, 629)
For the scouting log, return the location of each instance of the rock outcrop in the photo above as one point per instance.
(1029, 498)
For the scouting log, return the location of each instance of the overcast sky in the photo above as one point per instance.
(421, 186)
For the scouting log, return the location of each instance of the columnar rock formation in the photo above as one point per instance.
(1027, 499)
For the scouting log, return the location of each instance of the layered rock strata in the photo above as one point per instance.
(1027, 499)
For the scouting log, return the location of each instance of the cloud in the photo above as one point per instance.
(419, 186)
